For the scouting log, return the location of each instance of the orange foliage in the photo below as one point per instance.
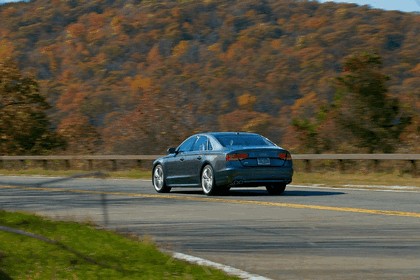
(201, 65)
(80, 135)
(6, 49)
(305, 106)
(71, 100)
(246, 101)
(76, 30)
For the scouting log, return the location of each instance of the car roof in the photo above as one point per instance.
(229, 133)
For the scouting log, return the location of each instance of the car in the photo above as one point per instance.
(219, 161)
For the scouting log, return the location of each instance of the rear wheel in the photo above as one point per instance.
(158, 180)
(275, 189)
(208, 183)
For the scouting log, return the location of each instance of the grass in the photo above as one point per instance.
(130, 174)
(83, 252)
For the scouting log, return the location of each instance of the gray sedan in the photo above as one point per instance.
(218, 161)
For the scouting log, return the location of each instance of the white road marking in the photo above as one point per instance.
(376, 188)
(228, 269)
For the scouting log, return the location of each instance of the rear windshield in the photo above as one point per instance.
(243, 140)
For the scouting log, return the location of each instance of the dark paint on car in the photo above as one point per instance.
(218, 161)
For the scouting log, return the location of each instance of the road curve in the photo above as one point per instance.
(309, 233)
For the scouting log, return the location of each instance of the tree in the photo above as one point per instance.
(363, 117)
(205, 59)
(81, 137)
(24, 126)
(363, 107)
(306, 123)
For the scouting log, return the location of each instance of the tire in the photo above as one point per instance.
(208, 184)
(158, 179)
(275, 189)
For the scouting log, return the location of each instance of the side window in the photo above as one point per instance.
(187, 145)
(202, 144)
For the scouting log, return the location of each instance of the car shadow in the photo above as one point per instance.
(311, 193)
(286, 193)
(261, 192)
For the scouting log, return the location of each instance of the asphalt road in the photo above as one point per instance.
(308, 233)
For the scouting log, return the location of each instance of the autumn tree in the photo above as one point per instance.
(24, 126)
(129, 70)
(363, 107)
(362, 117)
(81, 137)
(306, 123)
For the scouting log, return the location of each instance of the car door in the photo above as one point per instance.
(176, 167)
(194, 160)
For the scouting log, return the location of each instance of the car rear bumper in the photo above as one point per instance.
(254, 176)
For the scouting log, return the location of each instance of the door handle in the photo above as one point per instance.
(199, 157)
(181, 159)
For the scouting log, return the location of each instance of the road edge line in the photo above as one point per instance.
(225, 268)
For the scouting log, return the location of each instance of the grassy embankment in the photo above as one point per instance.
(80, 251)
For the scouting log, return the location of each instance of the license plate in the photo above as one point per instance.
(263, 161)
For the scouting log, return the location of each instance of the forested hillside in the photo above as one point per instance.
(134, 77)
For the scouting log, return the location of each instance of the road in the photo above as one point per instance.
(308, 233)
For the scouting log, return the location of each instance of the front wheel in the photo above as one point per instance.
(208, 183)
(275, 189)
(158, 180)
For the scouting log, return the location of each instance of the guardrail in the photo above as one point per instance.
(88, 158)
(307, 158)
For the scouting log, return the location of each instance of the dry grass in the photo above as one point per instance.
(333, 178)
(357, 178)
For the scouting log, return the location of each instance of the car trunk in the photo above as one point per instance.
(261, 157)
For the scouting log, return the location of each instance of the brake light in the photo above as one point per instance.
(285, 156)
(230, 157)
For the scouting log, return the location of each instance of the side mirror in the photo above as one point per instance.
(172, 151)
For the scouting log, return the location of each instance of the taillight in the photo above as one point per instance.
(230, 157)
(285, 156)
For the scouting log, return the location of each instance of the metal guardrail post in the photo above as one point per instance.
(67, 164)
(45, 164)
(308, 167)
(341, 166)
(105, 209)
(376, 165)
(413, 168)
(114, 166)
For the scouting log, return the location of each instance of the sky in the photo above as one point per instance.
(401, 5)
(7, 1)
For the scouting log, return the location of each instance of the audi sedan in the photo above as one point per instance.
(218, 161)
